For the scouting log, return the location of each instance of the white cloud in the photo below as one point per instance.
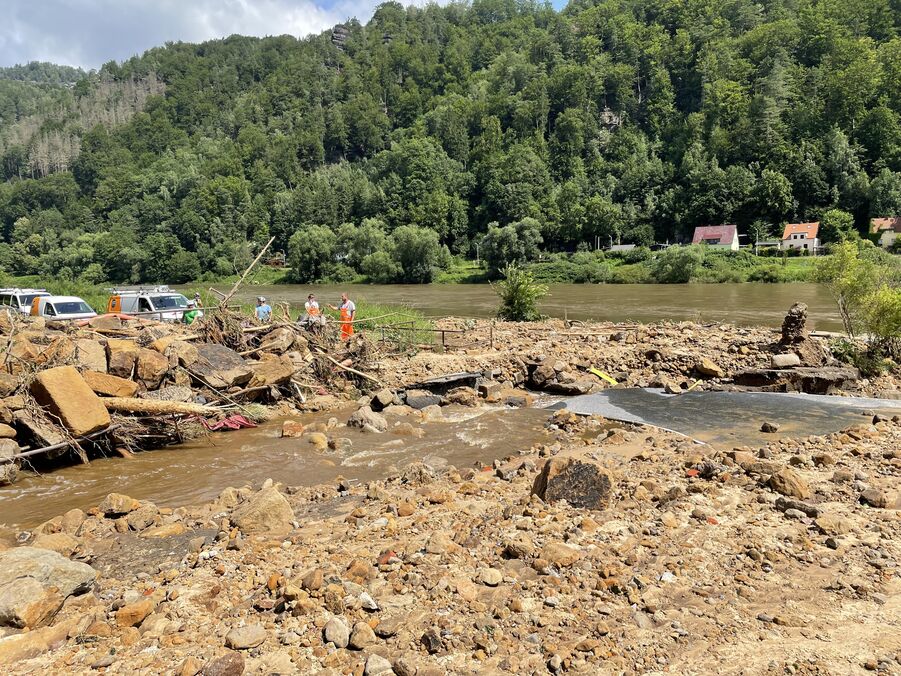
(88, 33)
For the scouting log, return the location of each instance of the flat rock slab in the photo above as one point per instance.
(67, 396)
(221, 367)
(807, 379)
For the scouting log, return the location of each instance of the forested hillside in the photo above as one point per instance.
(368, 148)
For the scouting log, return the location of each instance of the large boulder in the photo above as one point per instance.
(420, 399)
(34, 583)
(277, 341)
(784, 361)
(271, 371)
(117, 504)
(709, 368)
(179, 352)
(364, 417)
(581, 483)
(788, 482)
(264, 512)
(543, 373)
(31, 644)
(122, 357)
(221, 367)
(90, 355)
(28, 603)
(152, 367)
(381, 400)
(65, 394)
(110, 386)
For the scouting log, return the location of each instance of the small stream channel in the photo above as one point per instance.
(198, 471)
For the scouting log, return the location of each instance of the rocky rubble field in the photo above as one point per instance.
(606, 549)
(554, 356)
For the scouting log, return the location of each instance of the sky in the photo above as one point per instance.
(88, 33)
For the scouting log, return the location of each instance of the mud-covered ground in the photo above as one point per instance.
(607, 548)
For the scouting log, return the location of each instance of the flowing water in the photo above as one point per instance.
(742, 304)
(198, 471)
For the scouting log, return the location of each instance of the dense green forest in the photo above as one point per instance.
(386, 148)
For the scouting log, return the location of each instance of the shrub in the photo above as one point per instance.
(677, 264)
(519, 294)
(870, 362)
(637, 255)
(380, 268)
(630, 274)
(864, 283)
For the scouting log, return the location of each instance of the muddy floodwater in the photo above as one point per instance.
(742, 304)
(198, 471)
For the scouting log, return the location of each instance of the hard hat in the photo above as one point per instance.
(191, 303)
(261, 299)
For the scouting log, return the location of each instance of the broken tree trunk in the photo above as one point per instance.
(227, 297)
(155, 406)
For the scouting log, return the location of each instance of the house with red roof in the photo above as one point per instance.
(888, 230)
(802, 236)
(718, 236)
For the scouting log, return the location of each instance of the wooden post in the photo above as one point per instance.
(256, 260)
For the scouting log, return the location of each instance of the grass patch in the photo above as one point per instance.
(462, 272)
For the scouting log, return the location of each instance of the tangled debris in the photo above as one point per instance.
(116, 384)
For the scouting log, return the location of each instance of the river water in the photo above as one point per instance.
(198, 471)
(742, 304)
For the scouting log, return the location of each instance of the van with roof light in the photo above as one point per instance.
(20, 300)
(61, 307)
(152, 302)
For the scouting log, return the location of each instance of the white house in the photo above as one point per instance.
(717, 236)
(801, 236)
(888, 229)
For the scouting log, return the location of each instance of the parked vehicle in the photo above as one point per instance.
(20, 299)
(157, 302)
(61, 307)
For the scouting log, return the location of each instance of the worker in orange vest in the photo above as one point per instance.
(347, 310)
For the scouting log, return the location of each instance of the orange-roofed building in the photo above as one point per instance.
(802, 236)
(888, 229)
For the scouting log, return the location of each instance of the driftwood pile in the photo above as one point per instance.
(116, 385)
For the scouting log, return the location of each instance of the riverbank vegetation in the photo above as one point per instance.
(447, 130)
(866, 285)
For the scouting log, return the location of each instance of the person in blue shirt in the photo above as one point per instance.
(263, 311)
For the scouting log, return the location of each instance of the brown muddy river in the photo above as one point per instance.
(742, 304)
(196, 472)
